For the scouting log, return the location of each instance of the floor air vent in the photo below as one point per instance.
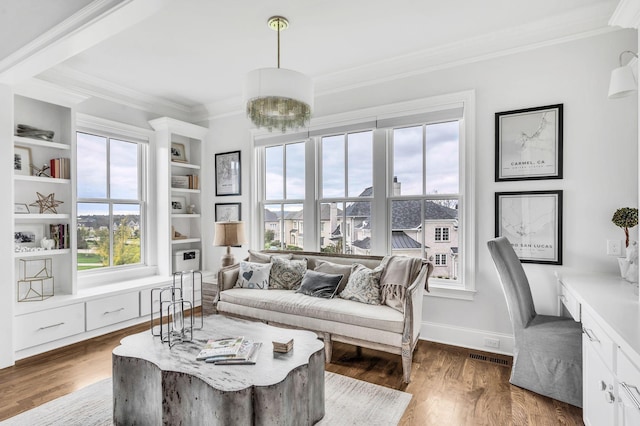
(492, 360)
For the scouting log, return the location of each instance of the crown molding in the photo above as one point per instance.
(627, 14)
(48, 92)
(85, 28)
(91, 86)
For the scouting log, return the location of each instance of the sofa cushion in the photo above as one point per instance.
(335, 268)
(363, 285)
(377, 317)
(286, 274)
(257, 257)
(253, 275)
(319, 284)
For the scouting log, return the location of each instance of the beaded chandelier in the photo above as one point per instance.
(277, 97)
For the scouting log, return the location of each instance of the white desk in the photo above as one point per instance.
(609, 310)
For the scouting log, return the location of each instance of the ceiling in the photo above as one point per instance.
(195, 53)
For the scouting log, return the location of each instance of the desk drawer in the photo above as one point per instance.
(112, 310)
(49, 325)
(570, 302)
(629, 390)
(594, 335)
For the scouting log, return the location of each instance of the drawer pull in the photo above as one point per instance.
(603, 385)
(113, 312)
(609, 397)
(590, 335)
(51, 326)
(634, 398)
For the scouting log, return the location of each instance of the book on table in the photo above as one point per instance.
(227, 347)
(248, 354)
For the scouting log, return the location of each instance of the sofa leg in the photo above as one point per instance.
(328, 347)
(407, 357)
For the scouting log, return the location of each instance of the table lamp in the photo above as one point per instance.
(228, 234)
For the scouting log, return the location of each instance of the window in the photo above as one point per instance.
(440, 259)
(441, 234)
(110, 203)
(396, 184)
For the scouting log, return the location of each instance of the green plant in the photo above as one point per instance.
(625, 218)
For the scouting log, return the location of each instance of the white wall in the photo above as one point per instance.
(600, 164)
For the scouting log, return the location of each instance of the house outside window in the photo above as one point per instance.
(441, 233)
(440, 259)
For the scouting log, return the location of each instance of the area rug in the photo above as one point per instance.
(347, 402)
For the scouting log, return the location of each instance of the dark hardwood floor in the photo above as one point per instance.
(450, 385)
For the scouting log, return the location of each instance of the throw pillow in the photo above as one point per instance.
(363, 285)
(253, 275)
(334, 268)
(319, 284)
(258, 257)
(286, 274)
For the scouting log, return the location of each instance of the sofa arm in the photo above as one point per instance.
(413, 305)
(228, 276)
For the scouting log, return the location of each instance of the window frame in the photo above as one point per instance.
(143, 138)
(360, 120)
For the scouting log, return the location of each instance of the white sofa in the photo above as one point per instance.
(379, 327)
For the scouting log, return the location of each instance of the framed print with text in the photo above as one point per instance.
(529, 144)
(228, 173)
(532, 221)
(228, 212)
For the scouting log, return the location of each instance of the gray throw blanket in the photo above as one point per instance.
(398, 274)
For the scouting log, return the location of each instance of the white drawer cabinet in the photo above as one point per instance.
(113, 309)
(570, 302)
(598, 387)
(46, 326)
(628, 391)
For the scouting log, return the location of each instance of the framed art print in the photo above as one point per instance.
(22, 161)
(228, 173)
(529, 144)
(178, 152)
(228, 212)
(532, 222)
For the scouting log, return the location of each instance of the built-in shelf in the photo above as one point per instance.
(186, 241)
(41, 179)
(41, 253)
(185, 215)
(185, 165)
(185, 190)
(43, 216)
(20, 140)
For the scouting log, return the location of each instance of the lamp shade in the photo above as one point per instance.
(229, 234)
(622, 83)
(278, 97)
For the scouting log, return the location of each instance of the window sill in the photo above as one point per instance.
(450, 292)
(96, 278)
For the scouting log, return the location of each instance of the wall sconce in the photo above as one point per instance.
(623, 81)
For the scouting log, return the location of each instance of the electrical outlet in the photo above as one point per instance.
(614, 248)
(491, 343)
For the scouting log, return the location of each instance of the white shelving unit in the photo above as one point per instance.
(59, 119)
(170, 131)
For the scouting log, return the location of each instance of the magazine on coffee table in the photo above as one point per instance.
(227, 348)
(248, 354)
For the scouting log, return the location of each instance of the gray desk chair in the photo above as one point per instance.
(547, 355)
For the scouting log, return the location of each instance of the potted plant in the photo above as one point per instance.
(625, 217)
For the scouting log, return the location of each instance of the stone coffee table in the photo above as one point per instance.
(154, 384)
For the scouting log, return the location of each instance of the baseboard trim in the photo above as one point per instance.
(466, 337)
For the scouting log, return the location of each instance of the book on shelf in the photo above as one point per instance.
(247, 355)
(185, 182)
(227, 347)
(60, 234)
(59, 168)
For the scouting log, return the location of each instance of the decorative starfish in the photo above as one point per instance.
(47, 203)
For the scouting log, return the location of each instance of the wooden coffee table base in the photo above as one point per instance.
(154, 384)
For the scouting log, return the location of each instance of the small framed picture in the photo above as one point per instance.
(529, 144)
(228, 212)
(20, 208)
(22, 161)
(178, 152)
(28, 235)
(532, 222)
(178, 205)
(180, 182)
(228, 173)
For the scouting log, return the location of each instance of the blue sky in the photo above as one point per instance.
(441, 163)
